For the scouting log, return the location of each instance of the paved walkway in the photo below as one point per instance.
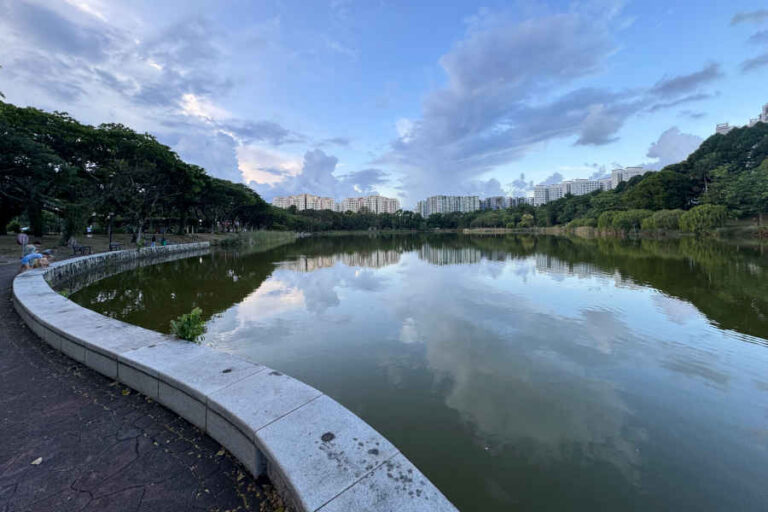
(71, 439)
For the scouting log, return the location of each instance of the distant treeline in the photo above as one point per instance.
(57, 174)
(726, 177)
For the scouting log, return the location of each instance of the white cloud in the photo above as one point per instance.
(194, 105)
(671, 147)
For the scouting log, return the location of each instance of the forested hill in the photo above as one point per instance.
(730, 170)
(726, 177)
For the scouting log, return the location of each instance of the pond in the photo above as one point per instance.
(517, 372)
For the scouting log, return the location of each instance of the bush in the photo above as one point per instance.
(526, 221)
(605, 220)
(189, 326)
(13, 227)
(663, 219)
(582, 222)
(703, 218)
(629, 219)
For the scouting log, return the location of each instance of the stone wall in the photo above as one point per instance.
(317, 453)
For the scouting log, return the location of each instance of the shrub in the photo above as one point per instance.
(663, 219)
(526, 221)
(189, 326)
(13, 227)
(605, 220)
(703, 218)
(629, 219)
(582, 222)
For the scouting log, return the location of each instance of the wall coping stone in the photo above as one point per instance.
(317, 453)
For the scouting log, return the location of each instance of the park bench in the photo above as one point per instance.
(114, 246)
(80, 249)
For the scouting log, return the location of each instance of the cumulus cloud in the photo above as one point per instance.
(490, 112)
(316, 176)
(513, 84)
(672, 146)
(520, 187)
(757, 16)
(600, 172)
(552, 179)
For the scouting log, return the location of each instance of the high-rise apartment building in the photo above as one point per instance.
(373, 204)
(542, 194)
(304, 202)
(447, 204)
(495, 203)
(619, 175)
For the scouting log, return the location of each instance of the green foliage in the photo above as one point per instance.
(660, 190)
(663, 220)
(582, 222)
(605, 220)
(703, 218)
(744, 193)
(526, 221)
(14, 227)
(629, 220)
(189, 326)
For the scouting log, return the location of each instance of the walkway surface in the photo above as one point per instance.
(71, 439)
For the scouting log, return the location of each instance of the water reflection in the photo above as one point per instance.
(517, 372)
(373, 259)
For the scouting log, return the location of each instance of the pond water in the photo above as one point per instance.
(518, 373)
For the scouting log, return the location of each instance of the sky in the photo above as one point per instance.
(406, 99)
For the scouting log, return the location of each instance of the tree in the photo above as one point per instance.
(660, 190)
(703, 218)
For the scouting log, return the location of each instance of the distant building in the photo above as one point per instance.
(304, 202)
(495, 203)
(542, 194)
(520, 201)
(579, 187)
(373, 204)
(447, 204)
(619, 175)
(725, 128)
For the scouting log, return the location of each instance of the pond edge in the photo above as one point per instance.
(317, 453)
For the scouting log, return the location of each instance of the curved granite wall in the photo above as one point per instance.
(316, 452)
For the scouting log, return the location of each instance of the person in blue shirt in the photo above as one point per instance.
(35, 259)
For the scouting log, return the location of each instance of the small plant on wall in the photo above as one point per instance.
(189, 326)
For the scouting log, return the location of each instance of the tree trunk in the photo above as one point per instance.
(35, 214)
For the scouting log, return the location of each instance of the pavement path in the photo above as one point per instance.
(71, 439)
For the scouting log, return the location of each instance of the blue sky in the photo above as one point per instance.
(345, 97)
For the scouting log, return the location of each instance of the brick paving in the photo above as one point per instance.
(103, 446)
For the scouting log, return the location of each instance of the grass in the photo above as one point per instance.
(262, 240)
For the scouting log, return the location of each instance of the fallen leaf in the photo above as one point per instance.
(220, 452)
(37, 461)
(126, 392)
